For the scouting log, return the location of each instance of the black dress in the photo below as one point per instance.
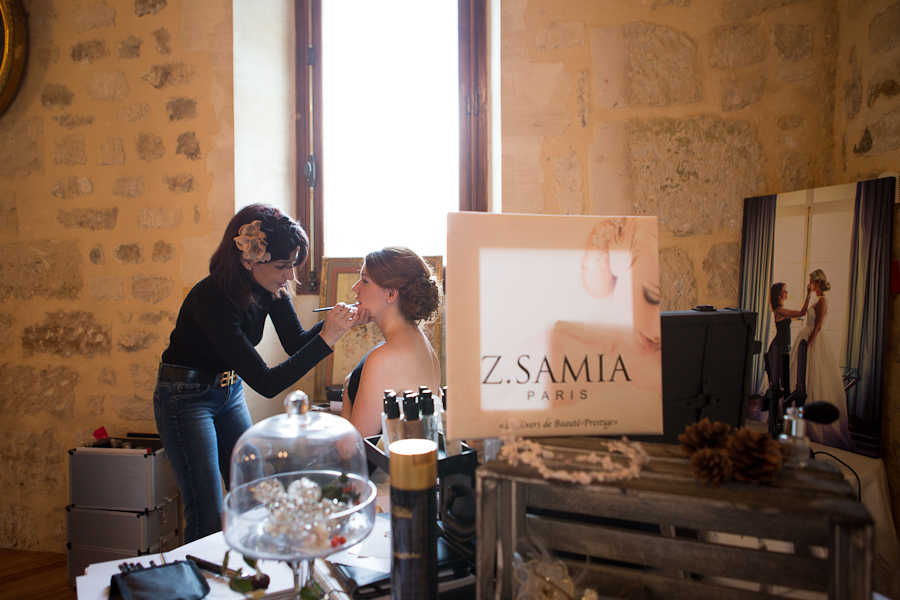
(782, 336)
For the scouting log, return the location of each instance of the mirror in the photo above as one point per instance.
(12, 52)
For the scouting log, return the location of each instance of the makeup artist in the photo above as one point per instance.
(199, 398)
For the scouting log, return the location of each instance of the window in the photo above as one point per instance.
(385, 173)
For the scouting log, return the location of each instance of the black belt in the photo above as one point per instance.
(181, 374)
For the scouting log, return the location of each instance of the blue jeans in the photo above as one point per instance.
(199, 426)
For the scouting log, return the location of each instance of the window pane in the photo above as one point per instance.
(391, 125)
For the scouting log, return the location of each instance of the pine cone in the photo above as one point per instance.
(704, 434)
(712, 465)
(755, 455)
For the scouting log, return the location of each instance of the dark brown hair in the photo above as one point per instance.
(774, 293)
(399, 268)
(283, 235)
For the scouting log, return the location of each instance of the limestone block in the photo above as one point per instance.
(736, 45)
(611, 175)
(130, 47)
(94, 16)
(722, 266)
(6, 331)
(788, 122)
(96, 256)
(884, 83)
(148, 7)
(149, 147)
(162, 76)
(129, 187)
(133, 408)
(136, 112)
(126, 254)
(70, 151)
(107, 85)
(67, 333)
(189, 146)
(89, 218)
(33, 467)
(796, 73)
(181, 109)
(95, 405)
(56, 97)
(112, 152)
(795, 171)
(156, 317)
(151, 288)
(569, 185)
(658, 66)
(45, 55)
(694, 173)
(135, 341)
(738, 92)
(143, 377)
(853, 87)
(679, 3)
(885, 134)
(73, 121)
(73, 187)
(583, 96)
(744, 9)
(181, 183)
(9, 216)
(84, 53)
(125, 316)
(162, 38)
(110, 287)
(107, 377)
(793, 42)
(560, 35)
(18, 522)
(159, 218)
(884, 29)
(853, 8)
(21, 146)
(42, 268)
(163, 251)
(677, 283)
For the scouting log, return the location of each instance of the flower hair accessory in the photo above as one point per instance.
(252, 243)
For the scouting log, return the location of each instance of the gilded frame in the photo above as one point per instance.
(338, 276)
(13, 50)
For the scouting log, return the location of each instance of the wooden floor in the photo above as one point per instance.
(34, 576)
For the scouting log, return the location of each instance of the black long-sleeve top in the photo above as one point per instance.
(213, 335)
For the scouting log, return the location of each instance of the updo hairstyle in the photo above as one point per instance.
(775, 296)
(282, 236)
(819, 277)
(399, 268)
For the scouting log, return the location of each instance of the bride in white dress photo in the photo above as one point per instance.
(824, 380)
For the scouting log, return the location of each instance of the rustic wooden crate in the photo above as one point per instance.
(810, 511)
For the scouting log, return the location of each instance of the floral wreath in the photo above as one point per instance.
(252, 243)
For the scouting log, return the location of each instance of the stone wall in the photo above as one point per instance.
(116, 180)
(682, 108)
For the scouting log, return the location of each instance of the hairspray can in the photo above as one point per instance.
(413, 520)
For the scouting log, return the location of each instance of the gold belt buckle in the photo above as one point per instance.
(227, 378)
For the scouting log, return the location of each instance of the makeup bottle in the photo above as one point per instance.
(413, 520)
(391, 425)
(451, 447)
(430, 419)
(412, 424)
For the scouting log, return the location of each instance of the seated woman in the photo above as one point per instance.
(400, 292)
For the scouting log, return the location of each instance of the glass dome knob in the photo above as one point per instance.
(296, 403)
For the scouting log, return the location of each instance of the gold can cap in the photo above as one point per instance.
(413, 464)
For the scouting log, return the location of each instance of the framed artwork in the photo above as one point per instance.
(578, 353)
(839, 238)
(338, 277)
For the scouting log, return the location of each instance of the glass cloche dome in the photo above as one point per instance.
(299, 486)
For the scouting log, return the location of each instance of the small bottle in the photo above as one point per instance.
(412, 424)
(451, 447)
(414, 520)
(795, 443)
(430, 419)
(391, 425)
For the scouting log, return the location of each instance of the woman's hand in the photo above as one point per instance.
(338, 321)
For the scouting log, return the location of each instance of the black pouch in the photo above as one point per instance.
(180, 580)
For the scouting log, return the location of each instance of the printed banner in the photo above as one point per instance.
(552, 323)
